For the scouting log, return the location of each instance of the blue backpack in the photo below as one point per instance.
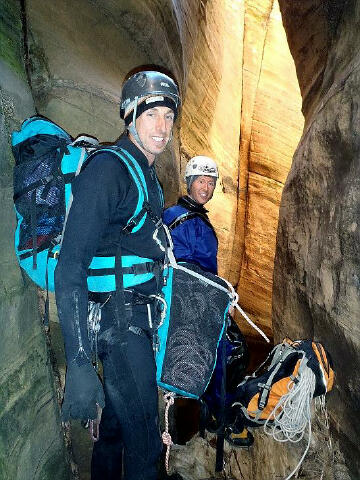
(47, 159)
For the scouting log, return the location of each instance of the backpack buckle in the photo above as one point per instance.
(129, 227)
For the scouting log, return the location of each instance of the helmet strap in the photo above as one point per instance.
(132, 127)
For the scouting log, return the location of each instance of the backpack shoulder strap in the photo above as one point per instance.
(188, 216)
(137, 219)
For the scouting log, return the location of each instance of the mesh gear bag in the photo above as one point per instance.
(189, 335)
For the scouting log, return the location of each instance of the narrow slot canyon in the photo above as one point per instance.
(270, 91)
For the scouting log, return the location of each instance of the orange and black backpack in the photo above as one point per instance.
(290, 366)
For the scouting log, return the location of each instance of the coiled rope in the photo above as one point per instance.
(292, 414)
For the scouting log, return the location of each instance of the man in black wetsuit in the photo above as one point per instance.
(105, 197)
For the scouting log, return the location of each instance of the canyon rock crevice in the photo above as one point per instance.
(316, 290)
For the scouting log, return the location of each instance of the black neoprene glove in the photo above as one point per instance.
(83, 390)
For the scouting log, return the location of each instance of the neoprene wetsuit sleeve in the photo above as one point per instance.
(98, 193)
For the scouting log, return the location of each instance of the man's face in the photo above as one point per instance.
(202, 189)
(154, 128)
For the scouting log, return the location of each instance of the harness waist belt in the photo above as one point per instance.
(137, 269)
(100, 297)
(131, 297)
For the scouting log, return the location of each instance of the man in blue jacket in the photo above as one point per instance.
(193, 235)
(195, 241)
(105, 197)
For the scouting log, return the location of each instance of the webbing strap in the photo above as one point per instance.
(133, 222)
(33, 186)
(136, 269)
(219, 462)
(139, 179)
(265, 392)
(78, 168)
(33, 228)
(47, 302)
(188, 216)
(48, 244)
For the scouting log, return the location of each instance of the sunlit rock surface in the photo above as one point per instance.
(316, 278)
(271, 125)
(243, 109)
(212, 112)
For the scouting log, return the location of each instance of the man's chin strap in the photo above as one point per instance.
(132, 127)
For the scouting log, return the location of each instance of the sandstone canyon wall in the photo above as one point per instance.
(271, 124)
(31, 440)
(76, 81)
(241, 106)
(316, 277)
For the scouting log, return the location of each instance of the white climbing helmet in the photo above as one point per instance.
(201, 165)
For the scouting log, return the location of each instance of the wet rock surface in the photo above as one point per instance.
(31, 443)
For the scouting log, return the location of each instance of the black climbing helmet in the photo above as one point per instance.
(145, 84)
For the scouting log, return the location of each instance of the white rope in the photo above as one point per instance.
(320, 404)
(303, 456)
(166, 437)
(255, 327)
(292, 414)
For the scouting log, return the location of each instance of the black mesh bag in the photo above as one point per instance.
(190, 333)
(39, 189)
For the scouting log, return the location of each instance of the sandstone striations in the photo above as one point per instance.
(271, 125)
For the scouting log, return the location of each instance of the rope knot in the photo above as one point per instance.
(169, 398)
(166, 438)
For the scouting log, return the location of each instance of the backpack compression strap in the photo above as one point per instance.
(143, 208)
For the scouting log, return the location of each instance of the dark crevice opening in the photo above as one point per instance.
(27, 61)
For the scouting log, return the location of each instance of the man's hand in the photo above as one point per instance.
(83, 392)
